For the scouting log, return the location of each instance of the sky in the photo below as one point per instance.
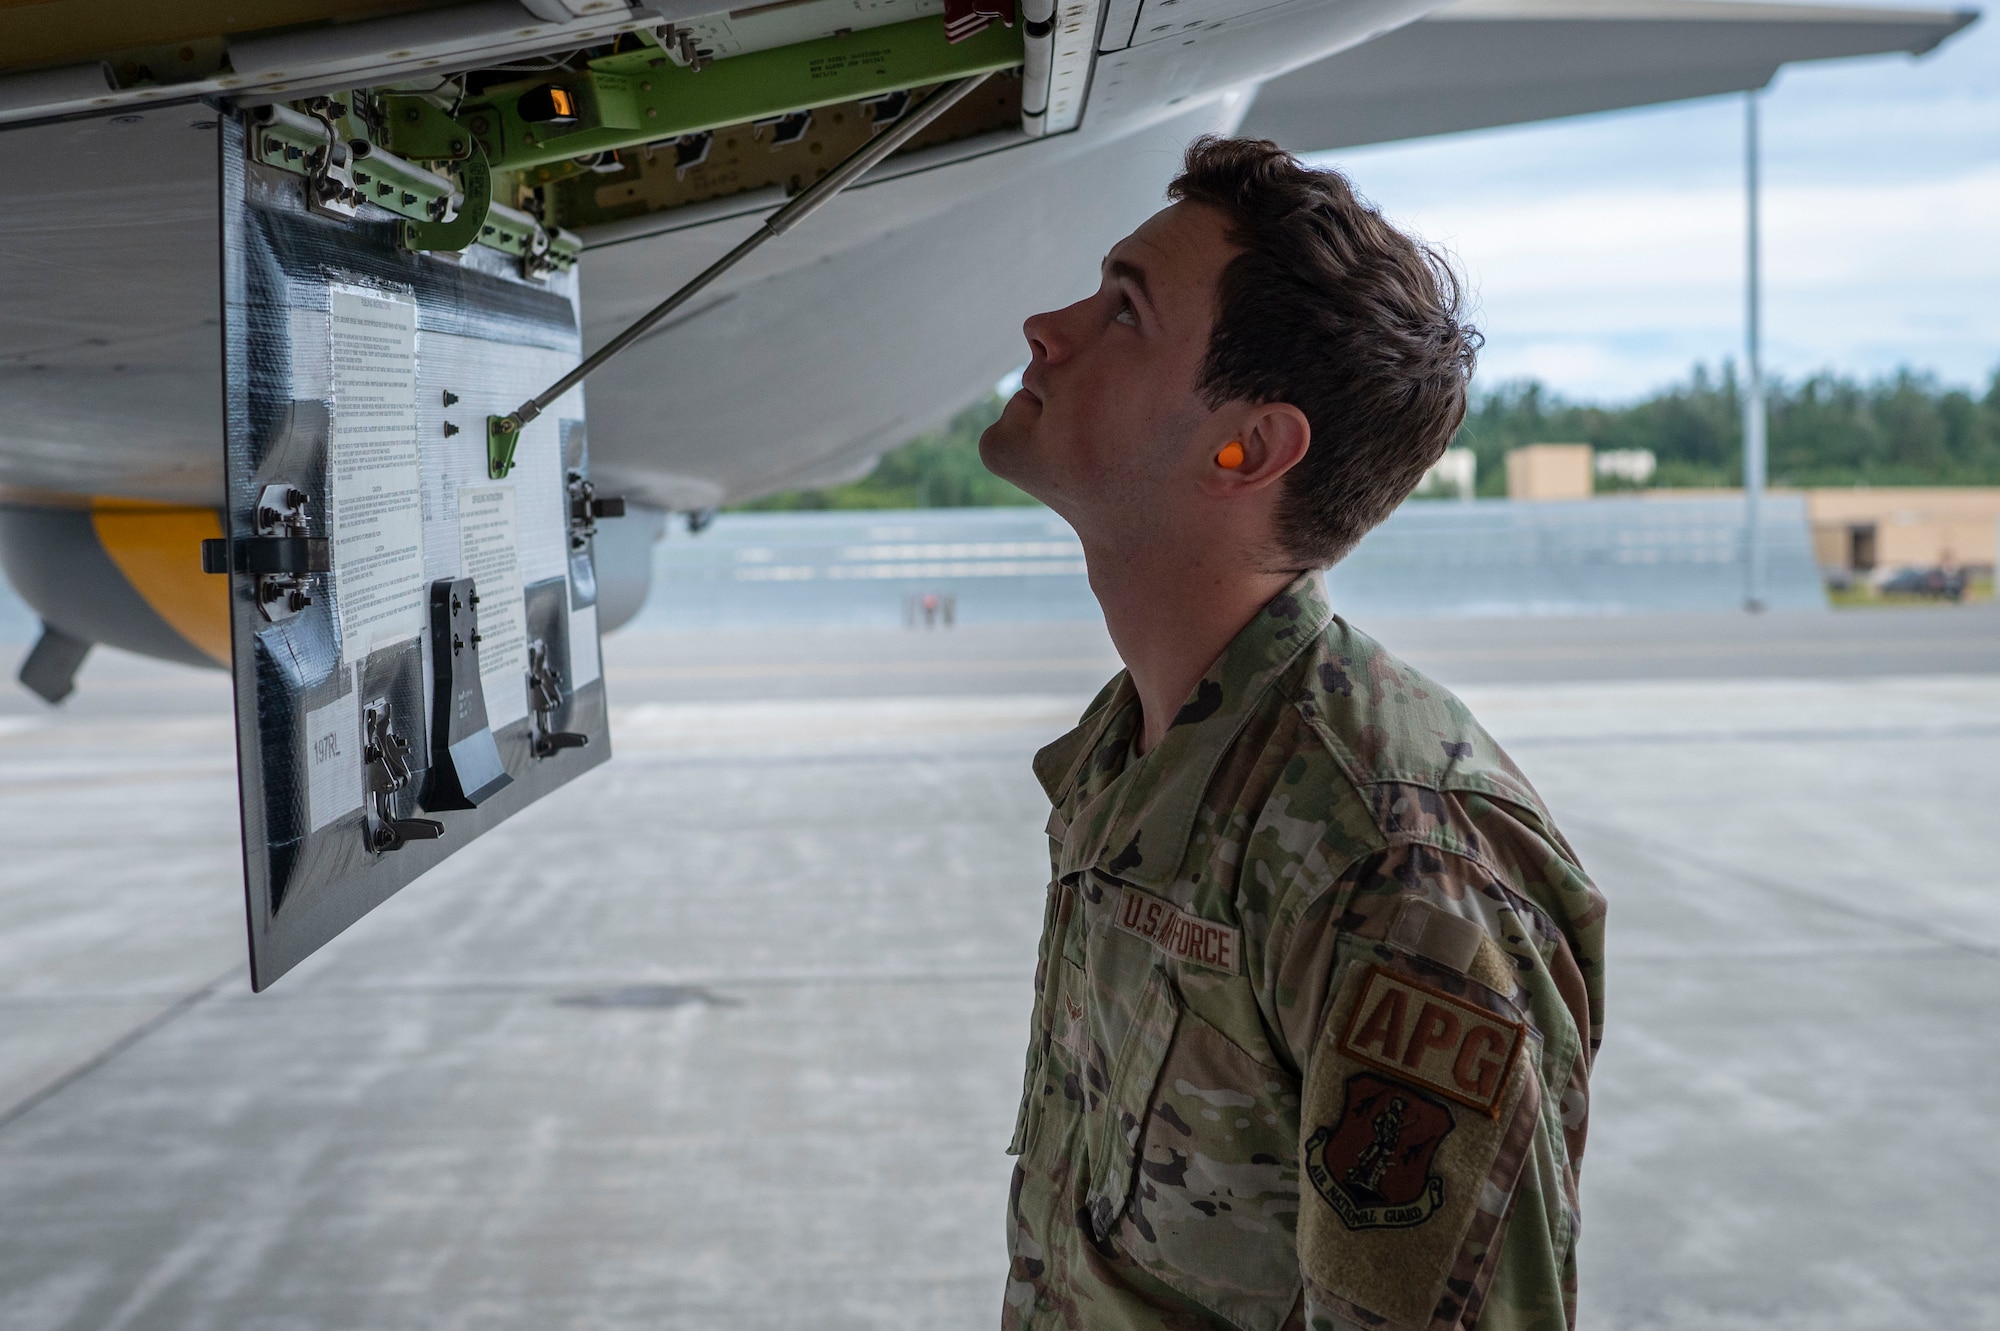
(1606, 252)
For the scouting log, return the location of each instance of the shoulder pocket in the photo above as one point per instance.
(1134, 1072)
(1419, 1110)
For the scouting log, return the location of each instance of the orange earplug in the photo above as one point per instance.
(1231, 456)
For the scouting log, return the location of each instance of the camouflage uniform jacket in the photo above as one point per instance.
(1318, 991)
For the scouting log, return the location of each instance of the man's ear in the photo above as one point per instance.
(1273, 438)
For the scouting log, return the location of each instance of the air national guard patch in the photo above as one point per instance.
(1373, 1165)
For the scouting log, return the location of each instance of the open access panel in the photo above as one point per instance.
(413, 616)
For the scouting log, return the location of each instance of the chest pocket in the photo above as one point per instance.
(1119, 1104)
(1215, 1208)
(1103, 1024)
(1047, 971)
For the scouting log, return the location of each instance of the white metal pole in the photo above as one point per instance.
(1753, 378)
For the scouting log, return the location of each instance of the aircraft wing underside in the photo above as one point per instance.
(1481, 63)
(916, 282)
(271, 296)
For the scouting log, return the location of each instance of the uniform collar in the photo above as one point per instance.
(1135, 822)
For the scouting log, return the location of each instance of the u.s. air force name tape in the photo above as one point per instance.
(1180, 935)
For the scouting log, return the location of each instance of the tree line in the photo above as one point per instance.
(1826, 429)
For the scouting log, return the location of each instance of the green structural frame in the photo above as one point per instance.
(640, 96)
(415, 127)
(463, 229)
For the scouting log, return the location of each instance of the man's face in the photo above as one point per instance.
(1107, 420)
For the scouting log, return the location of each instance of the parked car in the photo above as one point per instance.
(1937, 581)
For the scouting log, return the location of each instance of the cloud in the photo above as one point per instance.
(1606, 252)
(1600, 292)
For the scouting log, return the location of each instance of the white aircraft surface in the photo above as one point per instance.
(569, 163)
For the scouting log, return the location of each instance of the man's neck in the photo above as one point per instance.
(1171, 613)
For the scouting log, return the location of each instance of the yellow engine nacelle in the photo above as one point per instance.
(123, 572)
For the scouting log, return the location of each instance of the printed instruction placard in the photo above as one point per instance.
(489, 540)
(376, 517)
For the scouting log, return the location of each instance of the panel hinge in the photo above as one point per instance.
(585, 508)
(280, 557)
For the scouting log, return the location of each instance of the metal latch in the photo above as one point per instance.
(387, 755)
(546, 696)
(585, 508)
(281, 557)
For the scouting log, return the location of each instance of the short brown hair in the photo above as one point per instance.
(1335, 311)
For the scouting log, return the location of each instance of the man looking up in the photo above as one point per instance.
(1319, 982)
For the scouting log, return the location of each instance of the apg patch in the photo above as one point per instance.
(1442, 1043)
(1175, 932)
(1373, 1164)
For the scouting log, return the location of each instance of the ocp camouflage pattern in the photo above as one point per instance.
(1317, 997)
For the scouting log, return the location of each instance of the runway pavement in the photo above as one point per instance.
(728, 1034)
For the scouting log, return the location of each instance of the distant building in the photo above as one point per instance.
(1865, 528)
(1550, 471)
(1455, 475)
(1634, 466)
(1856, 530)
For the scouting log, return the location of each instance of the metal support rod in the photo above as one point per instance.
(808, 201)
(1754, 416)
